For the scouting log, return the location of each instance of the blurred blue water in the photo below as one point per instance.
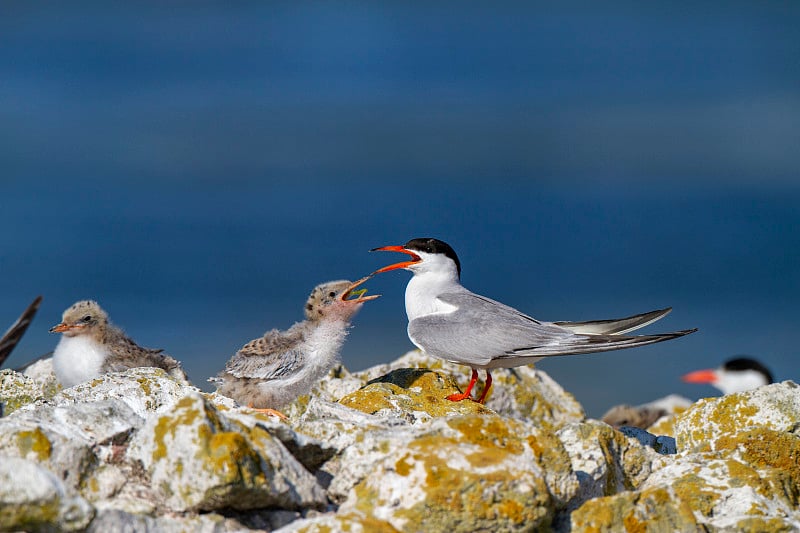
(199, 171)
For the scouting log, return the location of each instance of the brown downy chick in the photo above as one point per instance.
(90, 346)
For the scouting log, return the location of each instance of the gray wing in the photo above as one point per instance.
(273, 356)
(265, 367)
(483, 332)
(17, 329)
(615, 326)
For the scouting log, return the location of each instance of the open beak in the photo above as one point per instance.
(403, 264)
(60, 328)
(701, 376)
(360, 298)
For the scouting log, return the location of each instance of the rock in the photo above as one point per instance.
(16, 390)
(727, 492)
(417, 394)
(145, 390)
(338, 384)
(522, 392)
(114, 521)
(310, 452)
(461, 473)
(353, 521)
(605, 461)
(31, 498)
(776, 406)
(384, 450)
(674, 405)
(654, 510)
(665, 426)
(21, 387)
(63, 439)
(199, 460)
(737, 469)
(41, 372)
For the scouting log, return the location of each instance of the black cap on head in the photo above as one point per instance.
(430, 245)
(745, 363)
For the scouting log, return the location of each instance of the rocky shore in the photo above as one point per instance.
(383, 450)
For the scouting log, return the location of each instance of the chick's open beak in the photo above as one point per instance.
(360, 298)
(403, 264)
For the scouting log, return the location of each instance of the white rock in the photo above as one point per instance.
(115, 521)
(145, 390)
(732, 501)
(199, 460)
(42, 373)
(32, 498)
(775, 406)
(524, 392)
(605, 460)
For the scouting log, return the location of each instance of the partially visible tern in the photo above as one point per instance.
(269, 372)
(90, 345)
(446, 320)
(735, 375)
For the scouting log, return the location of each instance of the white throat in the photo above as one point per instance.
(78, 359)
(423, 290)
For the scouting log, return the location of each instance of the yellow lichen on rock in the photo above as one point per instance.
(775, 406)
(34, 442)
(635, 512)
(16, 390)
(468, 473)
(410, 390)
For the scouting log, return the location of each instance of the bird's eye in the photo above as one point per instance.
(87, 318)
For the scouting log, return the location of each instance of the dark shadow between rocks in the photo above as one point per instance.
(402, 377)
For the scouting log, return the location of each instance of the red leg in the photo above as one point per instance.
(486, 387)
(459, 397)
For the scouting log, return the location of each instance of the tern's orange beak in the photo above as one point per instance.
(700, 376)
(60, 328)
(345, 297)
(403, 264)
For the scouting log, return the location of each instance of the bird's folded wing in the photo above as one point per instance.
(273, 365)
(131, 355)
(480, 330)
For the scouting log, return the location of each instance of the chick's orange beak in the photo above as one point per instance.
(345, 297)
(700, 376)
(60, 328)
(403, 264)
